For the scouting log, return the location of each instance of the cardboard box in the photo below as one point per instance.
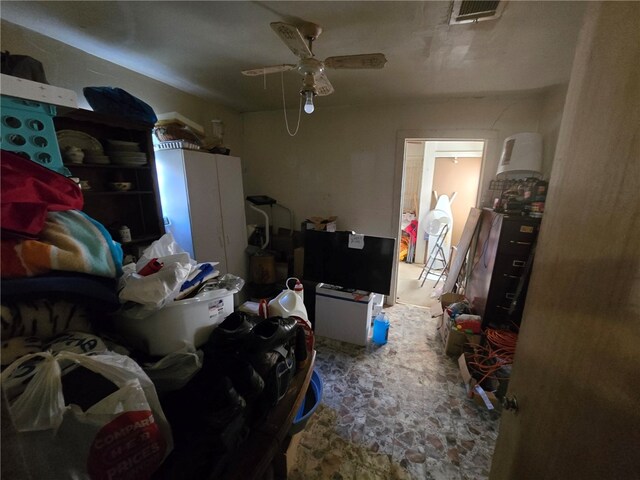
(483, 397)
(447, 299)
(454, 340)
(327, 224)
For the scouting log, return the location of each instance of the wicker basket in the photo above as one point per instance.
(172, 144)
(173, 131)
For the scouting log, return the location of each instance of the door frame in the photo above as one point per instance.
(491, 150)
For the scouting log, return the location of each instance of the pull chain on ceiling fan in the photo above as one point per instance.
(315, 82)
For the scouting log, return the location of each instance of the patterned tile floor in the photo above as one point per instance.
(396, 411)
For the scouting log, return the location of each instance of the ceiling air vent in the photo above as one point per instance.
(468, 11)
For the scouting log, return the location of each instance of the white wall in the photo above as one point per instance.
(413, 158)
(73, 69)
(344, 160)
(550, 117)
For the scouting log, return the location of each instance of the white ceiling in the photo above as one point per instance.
(201, 47)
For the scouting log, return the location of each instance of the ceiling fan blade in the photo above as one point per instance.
(266, 70)
(292, 38)
(323, 85)
(367, 60)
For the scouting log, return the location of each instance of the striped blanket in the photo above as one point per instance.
(70, 241)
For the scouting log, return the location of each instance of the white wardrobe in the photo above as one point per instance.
(203, 206)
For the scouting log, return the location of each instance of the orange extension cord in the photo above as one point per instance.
(488, 360)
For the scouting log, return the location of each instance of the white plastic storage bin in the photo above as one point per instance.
(191, 320)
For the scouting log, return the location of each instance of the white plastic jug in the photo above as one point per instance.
(298, 288)
(288, 304)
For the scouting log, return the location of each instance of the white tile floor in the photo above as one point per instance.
(397, 411)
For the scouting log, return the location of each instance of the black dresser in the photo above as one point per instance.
(500, 268)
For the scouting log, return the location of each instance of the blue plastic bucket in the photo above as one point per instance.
(310, 402)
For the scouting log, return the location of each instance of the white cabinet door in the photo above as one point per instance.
(203, 199)
(174, 197)
(233, 213)
(204, 208)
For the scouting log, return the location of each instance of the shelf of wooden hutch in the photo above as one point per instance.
(139, 208)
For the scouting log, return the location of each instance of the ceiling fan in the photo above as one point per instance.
(300, 40)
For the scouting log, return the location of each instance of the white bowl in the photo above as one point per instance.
(120, 186)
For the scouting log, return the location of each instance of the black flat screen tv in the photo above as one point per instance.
(329, 259)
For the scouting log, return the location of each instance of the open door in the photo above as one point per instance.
(576, 371)
(440, 174)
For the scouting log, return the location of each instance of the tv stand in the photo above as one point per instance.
(343, 314)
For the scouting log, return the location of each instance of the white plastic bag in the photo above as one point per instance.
(125, 435)
(174, 371)
(163, 247)
(154, 291)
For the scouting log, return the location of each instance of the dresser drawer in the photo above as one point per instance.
(503, 292)
(503, 249)
(509, 266)
(517, 236)
(497, 311)
(503, 288)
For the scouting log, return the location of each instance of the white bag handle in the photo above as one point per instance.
(41, 405)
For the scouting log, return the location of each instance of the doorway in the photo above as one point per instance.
(441, 179)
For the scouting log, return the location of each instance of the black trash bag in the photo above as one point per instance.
(23, 66)
(115, 101)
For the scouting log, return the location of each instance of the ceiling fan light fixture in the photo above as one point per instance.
(308, 101)
(300, 40)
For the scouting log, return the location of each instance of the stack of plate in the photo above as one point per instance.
(126, 153)
(96, 158)
(92, 148)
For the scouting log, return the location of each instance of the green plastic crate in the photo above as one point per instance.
(27, 129)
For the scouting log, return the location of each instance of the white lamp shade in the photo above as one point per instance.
(521, 154)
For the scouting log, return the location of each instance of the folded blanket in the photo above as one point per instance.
(70, 241)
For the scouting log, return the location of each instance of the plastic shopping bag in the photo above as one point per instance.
(156, 290)
(165, 246)
(152, 292)
(124, 435)
(173, 371)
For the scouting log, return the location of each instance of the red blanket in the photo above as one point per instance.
(29, 190)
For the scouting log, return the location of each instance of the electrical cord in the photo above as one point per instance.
(487, 361)
(485, 244)
(284, 107)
